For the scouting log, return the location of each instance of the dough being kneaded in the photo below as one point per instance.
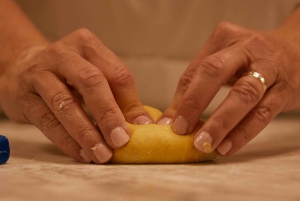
(154, 143)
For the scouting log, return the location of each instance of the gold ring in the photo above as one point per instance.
(258, 76)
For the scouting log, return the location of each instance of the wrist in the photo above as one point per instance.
(28, 54)
(21, 55)
(290, 28)
(17, 65)
(17, 34)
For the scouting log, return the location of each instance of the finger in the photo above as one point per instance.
(185, 79)
(220, 39)
(122, 84)
(255, 121)
(212, 73)
(36, 112)
(92, 85)
(71, 115)
(118, 76)
(244, 95)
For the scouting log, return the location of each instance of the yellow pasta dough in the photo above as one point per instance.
(154, 143)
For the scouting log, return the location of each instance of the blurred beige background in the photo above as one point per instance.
(155, 38)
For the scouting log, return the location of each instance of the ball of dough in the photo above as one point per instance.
(154, 143)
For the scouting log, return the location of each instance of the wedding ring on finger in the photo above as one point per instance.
(258, 76)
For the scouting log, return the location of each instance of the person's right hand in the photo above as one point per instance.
(40, 87)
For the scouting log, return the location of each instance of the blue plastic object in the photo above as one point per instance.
(4, 149)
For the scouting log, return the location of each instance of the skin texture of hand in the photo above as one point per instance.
(43, 84)
(38, 89)
(229, 52)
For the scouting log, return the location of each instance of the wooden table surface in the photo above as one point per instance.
(268, 168)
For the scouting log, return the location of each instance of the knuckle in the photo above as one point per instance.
(262, 114)
(32, 75)
(282, 91)
(49, 121)
(212, 66)
(223, 26)
(63, 102)
(91, 78)
(255, 44)
(256, 39)
(122, 76)
(185, 81)
(21, 92)
(221, 122)
(221, 29)
(83, 42)
(26, 103)
(108, 115)
(55, 50)
(133, 108)
(191, 101)
(84, 35)
(35, 76)
(246, 91)
(67, 142)
(84, 133)
(33, 71)
(243, 134)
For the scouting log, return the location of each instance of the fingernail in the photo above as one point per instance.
(142, 120)
(102, 153)
(85, 156)
(203, 142)
(180, 125)
(224, 147)
(165, 121)
(119, 137)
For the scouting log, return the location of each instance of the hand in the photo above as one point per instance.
(229, 52)
(40, 88)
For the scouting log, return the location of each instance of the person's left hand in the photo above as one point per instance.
(229, 53)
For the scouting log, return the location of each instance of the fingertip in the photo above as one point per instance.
(143, 120)
(180, 125)
(119, 137)
(224, 148)
(203, 142)
(137, 115)
(168, 117)
(165, 121)
(102, 152)
(84, 156)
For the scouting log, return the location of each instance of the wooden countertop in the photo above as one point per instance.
(268, 168)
